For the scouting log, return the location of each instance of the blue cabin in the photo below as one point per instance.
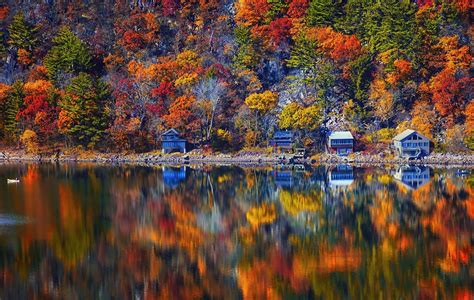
(282, 140)
(171, 141)
(341, 143)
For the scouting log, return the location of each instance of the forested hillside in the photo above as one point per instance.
(113, 75)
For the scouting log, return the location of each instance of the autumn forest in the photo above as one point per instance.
(113, 75)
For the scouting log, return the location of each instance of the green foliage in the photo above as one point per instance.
(69, 54)
(304, 54)
(356, 14)
(10, 108)
(392, 26)
(84, 110)
(277, 8)
(246, 56)
(22, 34)
(360, 70)
(324, 13)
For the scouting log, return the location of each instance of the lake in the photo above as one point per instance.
(85, 231)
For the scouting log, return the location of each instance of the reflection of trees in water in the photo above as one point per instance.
(124, 232)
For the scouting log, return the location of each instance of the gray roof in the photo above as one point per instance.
(406, 133)
(341, 135)
(170, 131)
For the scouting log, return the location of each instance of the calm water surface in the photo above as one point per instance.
(88, 232)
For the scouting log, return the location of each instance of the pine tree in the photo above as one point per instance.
(356, 13)
(246, 56)
(84, 107)
(10, 109)
(69, 55)
(324, 13)
(277, 8)
(392, 26)
(22, 33)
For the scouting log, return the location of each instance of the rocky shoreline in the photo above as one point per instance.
(241, 158)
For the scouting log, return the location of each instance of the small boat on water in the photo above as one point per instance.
(16, 180)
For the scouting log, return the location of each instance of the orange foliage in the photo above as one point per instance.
(181, 113)
(256, 281)
(447, 91)
(24, 57)
(251, 12)
(403, 68)
(338, 46)
(423, 118)
(38, 87)
(38, 72)
(4, 88)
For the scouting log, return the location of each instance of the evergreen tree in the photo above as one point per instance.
(324, 13)
(11, 106)
(69, 55)
(356, 13)
(2, 45)
(277, 8)
(246, 56)
(392, 26)
(83, 110)
(22, 33)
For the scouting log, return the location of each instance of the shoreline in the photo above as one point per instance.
(244, 158)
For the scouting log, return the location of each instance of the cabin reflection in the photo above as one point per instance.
(341, 176)
(172, 176)
(413, 177)
(283, 177)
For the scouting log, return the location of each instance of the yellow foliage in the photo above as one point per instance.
(295, 202)
(298, 117)
(384, 179)
(262, 102)
(30, 140)
(381, 99)
(186, 79)
(423, 118)
(37, 87)
(4, 89)
(262, 214)
(188, 59)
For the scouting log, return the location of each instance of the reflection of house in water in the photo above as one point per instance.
(413, 176)
(283, 178)
(173, 176)
(341, 176)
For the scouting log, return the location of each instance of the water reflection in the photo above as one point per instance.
(413, 177)
(228, 232)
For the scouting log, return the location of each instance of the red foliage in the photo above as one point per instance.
(165, 89)
(169, 7)
(297, 8)
(422, 3)
(132, 40)
(4, 12)
(464, 5)
(279, 30)
(36, 111)
(338, 46)
(448, 94)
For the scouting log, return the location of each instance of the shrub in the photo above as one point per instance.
(30, 140)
